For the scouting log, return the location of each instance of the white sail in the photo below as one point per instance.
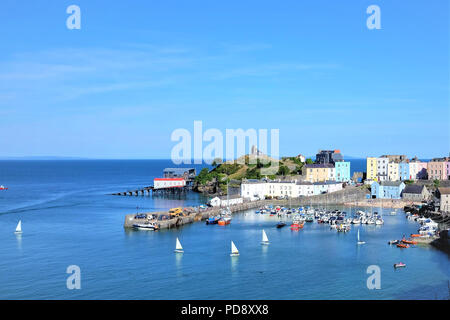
(19, 227)
(234, 250)
(178, 247)
(264, 237)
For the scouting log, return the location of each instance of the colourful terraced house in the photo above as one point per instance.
(387, 189)
(393, 171)
(342, 171)
(403, 170)
(417, 169)
(318, 172)
(439, 169)
(371, 168)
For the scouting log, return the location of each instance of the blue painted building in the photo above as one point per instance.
(403, 171)
(387, 189)
(342, 171)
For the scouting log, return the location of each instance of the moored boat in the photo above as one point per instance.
(297, 226)
(409, 241)
(280, 224)
(213, 220)
(146, 226)
(402, 245)
(224, 221)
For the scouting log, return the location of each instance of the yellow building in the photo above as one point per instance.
(372, 168)
(319, 172)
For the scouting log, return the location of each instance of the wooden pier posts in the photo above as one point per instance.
(153, 191)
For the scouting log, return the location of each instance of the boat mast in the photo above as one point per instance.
(228, 198)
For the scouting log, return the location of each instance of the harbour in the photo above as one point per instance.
(87, 229)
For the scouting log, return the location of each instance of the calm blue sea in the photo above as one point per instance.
(69, 219)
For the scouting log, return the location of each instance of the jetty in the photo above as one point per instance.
(190, 214)
(150, 190)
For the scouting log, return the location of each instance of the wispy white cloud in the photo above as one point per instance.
(265, 70)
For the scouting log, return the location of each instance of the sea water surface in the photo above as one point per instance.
(68, 218)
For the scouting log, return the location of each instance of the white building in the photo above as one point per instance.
(305, 189)
(393, 171)
(224, 202)
(282, 188)
(333, 186)
(382, 168)
(215, 202)
(255, 189)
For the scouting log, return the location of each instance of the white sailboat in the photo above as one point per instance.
(359, 241)
(265, 240)
(19, 227)
(178, 247)
(234, 250)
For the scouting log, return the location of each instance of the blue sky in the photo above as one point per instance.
(137, 70)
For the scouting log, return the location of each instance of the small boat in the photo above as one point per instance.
(393, 213)
(149, 226)
(3, 188)
(415, 235)
(393, 241)
(402, 245)
(224, 221)
(265, 240)
(297, 226)
(281, 224)
(213, 220)
(409, 241)
(19, 227)
(359, 241)
(178, 247)
(399, 265)
(234, 250)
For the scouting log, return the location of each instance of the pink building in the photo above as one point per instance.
(417, 169)
(438, 169)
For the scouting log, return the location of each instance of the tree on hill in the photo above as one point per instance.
(283, 170)
(253, 173)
